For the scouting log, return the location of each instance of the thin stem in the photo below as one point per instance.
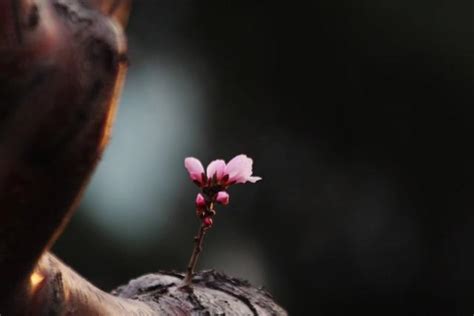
(194, 257)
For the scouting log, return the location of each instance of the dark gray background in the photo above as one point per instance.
(358, 115)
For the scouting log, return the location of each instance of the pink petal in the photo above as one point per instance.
(254, 179)
(195, 169)
(239, 169)
(217, 167)
(222, 197)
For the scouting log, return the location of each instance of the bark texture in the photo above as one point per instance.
(211, 293)
(55, 289)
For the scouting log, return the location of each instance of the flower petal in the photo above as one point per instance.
(195, 169)
(217, 167)
(239, 169)
(254, 179)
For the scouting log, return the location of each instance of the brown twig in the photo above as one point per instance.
(198, 240)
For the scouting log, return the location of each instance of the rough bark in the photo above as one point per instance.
(58, 290)
(212, 293)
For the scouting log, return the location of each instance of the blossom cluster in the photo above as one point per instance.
(215, 180)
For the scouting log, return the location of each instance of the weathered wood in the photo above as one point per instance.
(212, 293)
(58, 290)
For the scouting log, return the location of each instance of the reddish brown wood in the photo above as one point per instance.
(61, 69)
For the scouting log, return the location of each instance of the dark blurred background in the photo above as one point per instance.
(358, 115)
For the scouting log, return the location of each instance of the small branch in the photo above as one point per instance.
(198, 240)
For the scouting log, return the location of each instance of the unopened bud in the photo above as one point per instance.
(207, 221)
(200, 201)
(222, 197)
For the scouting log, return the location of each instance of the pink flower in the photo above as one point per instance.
(222, 197)
(238, 170)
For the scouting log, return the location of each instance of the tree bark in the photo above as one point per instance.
(212, 293)
(57, 290)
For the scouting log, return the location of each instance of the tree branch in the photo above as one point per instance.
(58, 88)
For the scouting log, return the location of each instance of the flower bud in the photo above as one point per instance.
(207, 221)
(200, 201)
(222, 197)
